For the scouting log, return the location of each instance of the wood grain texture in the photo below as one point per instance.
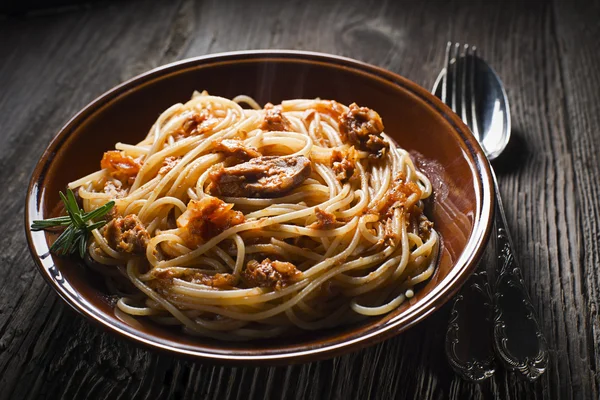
(51, 65)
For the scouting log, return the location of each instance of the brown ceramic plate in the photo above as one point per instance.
(443, 146)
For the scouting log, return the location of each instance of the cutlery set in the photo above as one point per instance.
(491, 318)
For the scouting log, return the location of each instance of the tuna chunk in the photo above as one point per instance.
(262, 177)
(271, 274)
(362, 127)
(127, 234)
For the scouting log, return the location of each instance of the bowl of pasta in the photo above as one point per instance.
(260, 207)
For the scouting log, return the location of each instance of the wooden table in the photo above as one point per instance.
(53, 63)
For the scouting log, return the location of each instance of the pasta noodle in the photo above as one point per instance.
(239, 222)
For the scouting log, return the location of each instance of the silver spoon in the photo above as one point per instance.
(475, 92)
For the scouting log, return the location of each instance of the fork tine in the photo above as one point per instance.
(454, 62)
(463, 84)
(445, 78)
(473, 95)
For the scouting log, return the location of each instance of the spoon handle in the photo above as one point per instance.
(518, 339)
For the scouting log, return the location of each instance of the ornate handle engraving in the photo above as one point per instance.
(469, 335)
(518, 339)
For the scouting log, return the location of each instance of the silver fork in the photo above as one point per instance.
(507, 319)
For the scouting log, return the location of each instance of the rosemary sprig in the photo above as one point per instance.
(78, 225)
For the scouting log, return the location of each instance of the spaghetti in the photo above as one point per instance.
(243, 222)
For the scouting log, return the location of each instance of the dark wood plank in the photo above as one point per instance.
(54, 64)
(577, 39)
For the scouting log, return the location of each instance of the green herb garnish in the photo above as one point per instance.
(78, 225)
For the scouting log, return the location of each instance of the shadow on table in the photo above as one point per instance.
(20, 8)
(514, 156)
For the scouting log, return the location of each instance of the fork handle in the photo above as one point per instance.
(469, 335)
(518, 339)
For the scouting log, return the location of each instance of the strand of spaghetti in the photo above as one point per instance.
(222, 254)
(290, 137)
(166, 201)
(132, 310)
(383, 309)
(94, 176)
(331, 249)
(309, 311)
(297, 122)
(377, 282)
(305, 151)
(360, 280)
(415, 239)
(241, 250)
(128, 319)
(252, 296)
(191, 194)
(357, 209)
(272, 211)
(96, 254)
(151, 227)
(200, 185)
(254, 138)
(87, 194)
(383, 187)
(151, 253)
(207, 292)
(263, 233)
(248, 100)
(133, 206)
(314, 129)
(266, 202)
(405, 248)
(427, 246)
(163, 135)
(301, 231)
(364, 231)
(291, 249)
(425, 275)
(133, 150)
(266, 249)
(332, 183)
(426, 188)
(199, 165)
(332, 133)
(141, 191)
(174, 249)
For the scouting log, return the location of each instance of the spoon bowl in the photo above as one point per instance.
(491, 105)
